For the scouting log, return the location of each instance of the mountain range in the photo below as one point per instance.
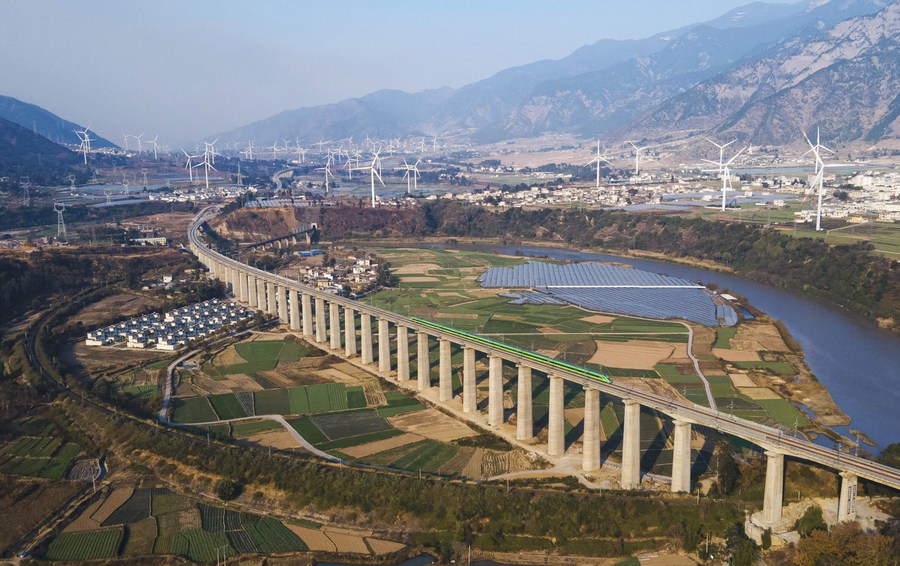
(46, 124)
(761, 72)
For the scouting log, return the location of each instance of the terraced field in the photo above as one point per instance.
(39, 457)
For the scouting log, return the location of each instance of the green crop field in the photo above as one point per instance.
(298, 401)
(199, 545)
(364, 438)
(141, 391)
(308, 430)
(163, 503)
(350, 423)
(140, 537)
(91, 545)
(193, 410)
(272, 402)
(356, 397)
(427, 455)
(782, 411)
(227, 406)
(39, 457)
(318, 398)
(270, 535)
(243, 429)
(780, 368)
(723, 337)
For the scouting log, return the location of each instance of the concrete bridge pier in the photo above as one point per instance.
(423, 362)
(591, 449)
(260, 294)
(847, 498)
(230, 280)
(365, 324)
(384, 346)
(307, 315)
(470, 399)
(295, 309)
(271, 307)
(242, 283)
(445, 384)
(631, 445)
(681, 458)
(495, 391)
(320, 320)
(524, 419)
(774, 494)
(252, 296)
(334, 327)
(402, 353)
(556, 433)
(349, 331)
(282, 304)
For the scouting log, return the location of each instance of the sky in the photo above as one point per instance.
(187, 69)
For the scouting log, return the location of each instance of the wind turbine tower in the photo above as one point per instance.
(816, 150)
(85, 138)
(597, 160)
(59, 208)
(637, 157)
(412, 172)
(374, 169)
(155, 149)
(725, 171)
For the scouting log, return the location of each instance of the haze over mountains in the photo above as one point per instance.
(721, 75)
(45, 123)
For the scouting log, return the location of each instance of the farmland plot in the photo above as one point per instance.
(89, 545)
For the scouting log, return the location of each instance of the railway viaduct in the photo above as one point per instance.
(347, 326)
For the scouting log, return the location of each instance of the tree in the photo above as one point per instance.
(810, 521)
(227, 489)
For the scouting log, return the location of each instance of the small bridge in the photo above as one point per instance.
(306, 230)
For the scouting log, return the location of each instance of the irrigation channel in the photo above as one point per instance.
(856, 361)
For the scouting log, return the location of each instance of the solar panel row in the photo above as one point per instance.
(541, 274)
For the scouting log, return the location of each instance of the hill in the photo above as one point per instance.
(844, 80)
(45, 123)
(25, 154)
(755, 72)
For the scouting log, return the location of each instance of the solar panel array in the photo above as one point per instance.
(541, 274)
(611, 289)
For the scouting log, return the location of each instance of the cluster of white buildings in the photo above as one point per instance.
(174, 329)
(195, 194)
(358, 274)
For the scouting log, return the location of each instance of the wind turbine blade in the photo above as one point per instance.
(735, 156)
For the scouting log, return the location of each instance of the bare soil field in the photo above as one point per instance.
(759, 393)
(635, 354)
(278, 439)
(472, 468)
(758, 337)
(741, 380)
(415, 268)
(364, 450)
(420, 279)
(381, 546)
(574, 416)
(469, 316)
(736, 355)
(315, 539)
(598, 319)
(106, 310)
(84, 522)
(433, 424)
(113, 501)
(98, 359)
(170, 224)
(343, 542)
(457, 464)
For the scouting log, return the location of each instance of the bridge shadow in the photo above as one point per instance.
(650, 456)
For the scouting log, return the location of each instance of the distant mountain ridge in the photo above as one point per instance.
(634, 88)
(45, 123)
(26, 154)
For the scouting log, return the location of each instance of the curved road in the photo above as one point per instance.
(764, 436)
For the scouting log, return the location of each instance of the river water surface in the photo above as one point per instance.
(858, 362)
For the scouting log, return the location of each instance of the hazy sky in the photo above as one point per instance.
(190, 68)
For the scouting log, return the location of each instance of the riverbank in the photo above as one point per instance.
(819, 378)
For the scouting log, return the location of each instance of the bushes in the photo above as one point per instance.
(226, 489)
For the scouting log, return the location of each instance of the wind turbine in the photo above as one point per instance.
(721, 151)
(726, 174)
(138, 138)
(820, 172)
(249, 151)
(188, 165)
(85, 138)
(155, 147)
(637, 157)
(597, 160)
(412, 172)
(126, 136)
(206, 164)
(374, 171)
(274, 148)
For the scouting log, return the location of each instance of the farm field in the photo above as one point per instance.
(142, 522)
(39, 457)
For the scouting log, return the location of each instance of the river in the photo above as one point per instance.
(857, 362)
